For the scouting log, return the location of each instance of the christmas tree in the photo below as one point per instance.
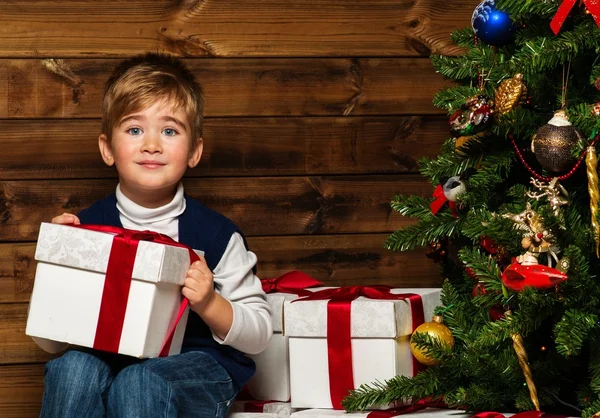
(513, 218)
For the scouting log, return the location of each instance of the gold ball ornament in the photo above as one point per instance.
(552, 143)
(435, 329)
(510, 93)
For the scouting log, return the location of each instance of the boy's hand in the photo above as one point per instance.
(66, 218)
(198, 287)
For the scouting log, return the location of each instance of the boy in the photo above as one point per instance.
(151, 133)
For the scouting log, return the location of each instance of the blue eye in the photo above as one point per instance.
(169, 132)
(134, 131)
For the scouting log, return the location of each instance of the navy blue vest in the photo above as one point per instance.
(203, 229)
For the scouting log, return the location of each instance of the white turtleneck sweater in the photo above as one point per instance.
(233, 277)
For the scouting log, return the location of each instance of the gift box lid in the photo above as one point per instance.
(370, 318)
(89, 250)
(276, 301)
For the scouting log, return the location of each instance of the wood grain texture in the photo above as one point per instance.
(21, 389)
(57, 88)
(68, 149)
(234, 28)
(16, 347)
(259, 205)
(344, 259)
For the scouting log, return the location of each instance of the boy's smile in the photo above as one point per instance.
(151, 150)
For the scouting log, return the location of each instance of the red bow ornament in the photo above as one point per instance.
(440, 199)
(593, 6)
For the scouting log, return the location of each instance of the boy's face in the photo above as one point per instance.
(151, 149)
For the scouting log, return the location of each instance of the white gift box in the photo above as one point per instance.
(380, 342)
(69, 283)
(424, 413)
(271, 382)
(269, 410)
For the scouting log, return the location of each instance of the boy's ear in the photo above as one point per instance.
(196, 153)
(105, 150)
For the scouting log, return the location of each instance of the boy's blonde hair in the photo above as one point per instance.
(141, 81)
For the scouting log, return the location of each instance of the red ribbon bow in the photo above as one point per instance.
(440, 200)
(118, 282)
(292, 282)
(339, 347)
(563, 11)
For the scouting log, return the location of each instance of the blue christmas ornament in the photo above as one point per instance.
(492, 26)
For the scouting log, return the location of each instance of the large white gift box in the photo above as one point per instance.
(70, 282)
(271, 381)
(380, 333)
(240, 409)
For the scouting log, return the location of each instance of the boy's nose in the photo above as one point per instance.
(151, 144)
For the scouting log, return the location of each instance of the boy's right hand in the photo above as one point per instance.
(66, 218)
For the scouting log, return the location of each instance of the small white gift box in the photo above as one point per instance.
(424, 413)
(256, 409)
(70, 284)
(380, 333)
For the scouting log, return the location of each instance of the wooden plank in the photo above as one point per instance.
(234, 28)
(235, 87)
(16, 347)
(333, 259)
(236, 146)
(259, 205)
(21, 389)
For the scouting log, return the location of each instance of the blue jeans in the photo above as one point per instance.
(86, 384)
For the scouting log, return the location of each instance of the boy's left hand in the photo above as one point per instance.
(198, 287)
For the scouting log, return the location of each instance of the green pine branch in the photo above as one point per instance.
(573, 330)
(423, 385)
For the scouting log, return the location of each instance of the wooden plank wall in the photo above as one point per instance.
(317, 112)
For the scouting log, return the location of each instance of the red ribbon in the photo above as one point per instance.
(255, 406)
(440, 199)
(118, 281)
(292, 282)
(525, 414)
(339, 347)
(407, 409)
(593, 6)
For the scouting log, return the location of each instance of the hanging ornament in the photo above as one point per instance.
(438, 250)
(492, 26)
(525, 270)
(510, 93)
(552, 143)
(555, 194)
(463, 140)
(448, 191)
(473, 117)
(519, 276)
(496, 313)
(596, 109)
(471, 273)
(488, 244)
(591, 162)
(436, 329)
(479, 290)
(519, 347)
